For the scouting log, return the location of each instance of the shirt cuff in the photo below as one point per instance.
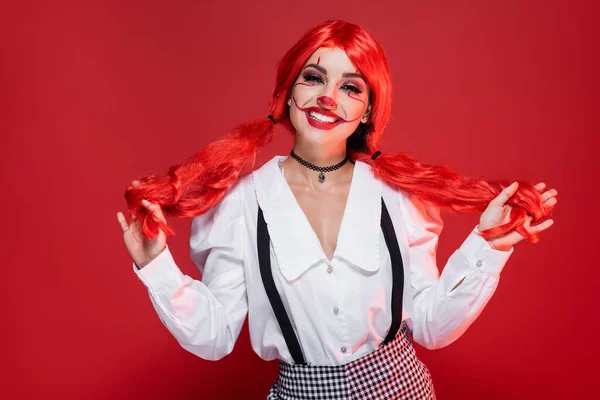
(481, 256)
(159, 271)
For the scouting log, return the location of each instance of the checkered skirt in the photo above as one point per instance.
(393, 371)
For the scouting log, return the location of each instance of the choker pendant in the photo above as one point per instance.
(321, 170)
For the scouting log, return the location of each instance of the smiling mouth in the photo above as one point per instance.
(322, 118)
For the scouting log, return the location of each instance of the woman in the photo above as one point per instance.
(330, 252)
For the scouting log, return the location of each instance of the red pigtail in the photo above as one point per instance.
(445, 188)
(194, 187)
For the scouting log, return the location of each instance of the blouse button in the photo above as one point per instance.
(335, 310)
(329, 269)
(479, 263)
(343, 349)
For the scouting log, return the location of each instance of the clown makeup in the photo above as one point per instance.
(329, 98)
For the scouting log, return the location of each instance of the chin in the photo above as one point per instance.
(318, 136)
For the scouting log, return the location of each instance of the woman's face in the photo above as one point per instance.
(329, 98)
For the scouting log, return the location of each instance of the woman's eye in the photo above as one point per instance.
(313, 78)
(352, 88)
(316, 78)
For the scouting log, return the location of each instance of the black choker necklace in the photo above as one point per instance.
(320, 169)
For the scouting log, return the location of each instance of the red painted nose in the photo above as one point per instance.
(326, 101)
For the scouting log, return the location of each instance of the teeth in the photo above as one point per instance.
(321, 118)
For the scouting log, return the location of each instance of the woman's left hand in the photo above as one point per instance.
(498, 213)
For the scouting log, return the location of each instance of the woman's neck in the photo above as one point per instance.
(320, 156)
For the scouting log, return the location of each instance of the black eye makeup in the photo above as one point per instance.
(352, 88)
(308, 77)
(312, 78)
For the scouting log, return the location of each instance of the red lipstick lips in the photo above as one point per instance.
(317, 124)
(322, 125)
(322, 111)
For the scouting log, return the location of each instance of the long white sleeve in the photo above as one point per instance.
(204, 316)
(445, 306)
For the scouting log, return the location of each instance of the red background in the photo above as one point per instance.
(94, 96)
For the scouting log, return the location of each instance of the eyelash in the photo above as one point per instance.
(314, 78)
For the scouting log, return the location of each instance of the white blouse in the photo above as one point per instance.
(340, 309)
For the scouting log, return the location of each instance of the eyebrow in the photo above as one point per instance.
(344, 75)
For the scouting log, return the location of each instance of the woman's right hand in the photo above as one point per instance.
(141, 249)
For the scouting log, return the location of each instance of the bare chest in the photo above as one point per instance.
(324, 212)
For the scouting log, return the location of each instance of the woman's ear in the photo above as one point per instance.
(289, 102)
(366, 115)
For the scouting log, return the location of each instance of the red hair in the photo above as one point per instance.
(195, 186)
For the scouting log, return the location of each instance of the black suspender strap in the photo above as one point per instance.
(397, 271)
(264, 259)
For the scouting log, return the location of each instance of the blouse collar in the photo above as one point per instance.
(296, 244)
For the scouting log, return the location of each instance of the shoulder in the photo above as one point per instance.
(417, 213)
(245, 188)
(227, 208)
(267, 173)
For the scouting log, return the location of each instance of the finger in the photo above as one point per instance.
(549, 193)
(506, 193)
(550, 202)
(154, 209)
(133, 184)
(122, 221)
(541, 226)
(540, 186)
(527, 222)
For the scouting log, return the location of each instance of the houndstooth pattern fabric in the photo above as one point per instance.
(393, 371)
